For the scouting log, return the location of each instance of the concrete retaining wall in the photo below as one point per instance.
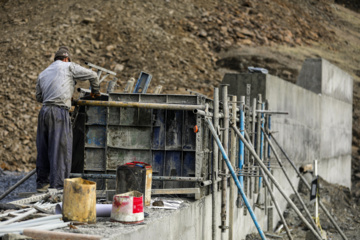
(319, 126)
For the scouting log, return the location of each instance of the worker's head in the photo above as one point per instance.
(62, 54)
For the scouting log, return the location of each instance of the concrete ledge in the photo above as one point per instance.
(322, 77)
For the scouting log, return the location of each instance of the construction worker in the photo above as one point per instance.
(54, 89)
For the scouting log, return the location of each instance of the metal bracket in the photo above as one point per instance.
(100, 70)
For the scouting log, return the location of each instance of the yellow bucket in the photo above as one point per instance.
(79, 200)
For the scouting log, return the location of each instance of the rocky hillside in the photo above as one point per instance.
(185, 44)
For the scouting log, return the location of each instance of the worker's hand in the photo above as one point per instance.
(95, 95)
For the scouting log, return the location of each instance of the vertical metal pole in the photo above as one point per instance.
(233, 162)
(224, 169)
(253, 125)
(316, 198)
(226, 159)
(258, 141)
(215, 167)
(261, 138)
(241, 150)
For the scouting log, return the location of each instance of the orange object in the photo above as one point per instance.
(196, 129)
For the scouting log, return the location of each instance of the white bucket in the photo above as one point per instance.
(128, 208)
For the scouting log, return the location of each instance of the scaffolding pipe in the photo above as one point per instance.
(138, 105)
(261, 139)
(18, 183)
(277, 185)
(258, 141)
(309, 187)
(292, 186)
(202, 113)
(156, 178)
(226, 159)
(233, 163)
(253, 122)
(224, 184)
(215, 166)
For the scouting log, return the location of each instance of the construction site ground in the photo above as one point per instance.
(186, 44)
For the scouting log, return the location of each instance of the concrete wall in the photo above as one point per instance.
(195, 222)
(319, 126)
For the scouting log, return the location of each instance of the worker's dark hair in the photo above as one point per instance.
(59, 58)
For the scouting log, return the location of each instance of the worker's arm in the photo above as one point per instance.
(82, 74)
(39, 97)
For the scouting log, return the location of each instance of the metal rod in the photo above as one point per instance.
(258, 140)
(138, 105)
(224, 199)
(272, 112)
(277, 185)
(289, 181)
(93, 175)
(215, 166)
(233, 163)
(309, 187)
(156, 178)
(253, 116)
(18, 184)
(202, 113)
(212, 130)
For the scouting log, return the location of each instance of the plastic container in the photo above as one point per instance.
(128, 208)
(135, 176)
(79, 200)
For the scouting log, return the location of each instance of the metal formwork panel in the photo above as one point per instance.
(163, 138)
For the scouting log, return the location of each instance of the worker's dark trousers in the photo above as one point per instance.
(54, 147)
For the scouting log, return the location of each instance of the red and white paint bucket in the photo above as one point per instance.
(128, 208)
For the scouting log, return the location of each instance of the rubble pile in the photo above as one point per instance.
(177, 42)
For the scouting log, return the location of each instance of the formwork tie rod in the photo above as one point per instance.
(277, 185)
(138, 105)
(236, 180)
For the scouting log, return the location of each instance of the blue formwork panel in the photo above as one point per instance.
(163, 138)
(189, 164)
(172, 167)
(95, 136)
(173, 125)
(158, 159)
(158, 138)
(96, 115)
(189, 136)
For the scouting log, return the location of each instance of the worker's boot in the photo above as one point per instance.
(43, 188)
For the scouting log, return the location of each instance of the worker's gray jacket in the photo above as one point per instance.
(55, 85)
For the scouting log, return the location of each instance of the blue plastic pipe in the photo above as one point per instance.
(213, 132)
(261, 139)
(241, 144)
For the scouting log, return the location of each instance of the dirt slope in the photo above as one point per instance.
(183, 44)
